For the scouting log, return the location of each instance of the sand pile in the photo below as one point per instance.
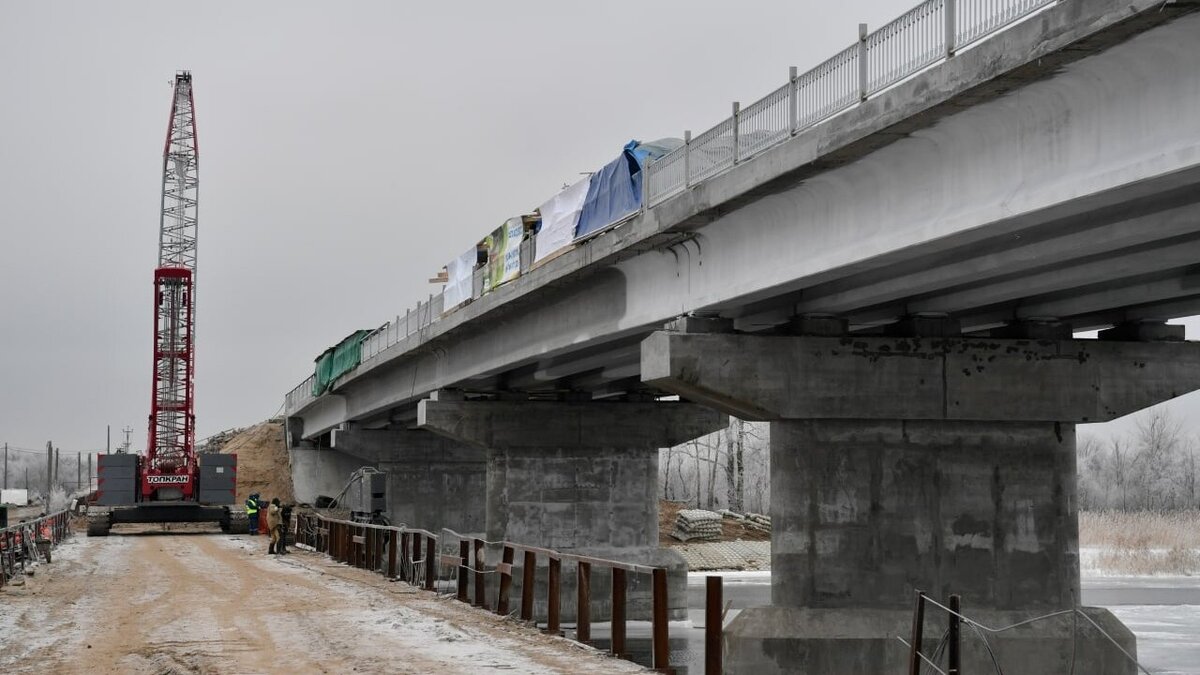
(262, 462)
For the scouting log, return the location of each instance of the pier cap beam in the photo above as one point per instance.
(961, 379)
(647, 425)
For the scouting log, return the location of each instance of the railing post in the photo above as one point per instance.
(914, 650)
(527, 582)
(393, 544)
(659, 638)
(411, 553)
(793, 103)
(506, 560)
(687, 158)
(553, 573)
(405, 565)
(737, 109)
(583, 602)
(430, 551)
(712, 626)
(951, 11)
(618, 612)
(862, 62)
(464, 554)
(480, 591)
(954, 659)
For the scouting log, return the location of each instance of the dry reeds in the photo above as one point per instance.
(1143, 542)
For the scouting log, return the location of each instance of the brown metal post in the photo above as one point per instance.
(430, 563)
(713, 600)
(618, 612)
(405, 560)
(379, 538)
(506, 559)
(552, 600)
(954, 658)
(394, 539)
(527, 572)
(659, 636)
(914, 650)
(583, 602)
(480, 591)
(369, 545)
(417, 554)
(464, 553)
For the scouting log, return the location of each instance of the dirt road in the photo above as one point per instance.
(211, 603)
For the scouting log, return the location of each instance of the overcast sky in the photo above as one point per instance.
(348, 150)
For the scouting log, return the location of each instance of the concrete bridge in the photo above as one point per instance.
(894, 286)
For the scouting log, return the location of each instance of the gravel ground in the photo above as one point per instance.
(185, 601)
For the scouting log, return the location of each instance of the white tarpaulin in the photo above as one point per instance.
(560, 215)
(459, 273)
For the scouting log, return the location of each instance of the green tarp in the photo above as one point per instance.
(338, 360)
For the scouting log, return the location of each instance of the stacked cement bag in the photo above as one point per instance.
(757, 521)
(697, 525)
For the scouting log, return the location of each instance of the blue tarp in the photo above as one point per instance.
(615, 191)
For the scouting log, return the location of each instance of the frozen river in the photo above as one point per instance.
(1164, 613)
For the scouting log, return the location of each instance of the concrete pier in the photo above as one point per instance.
(577, 477)
(940, 464)
(432, 482)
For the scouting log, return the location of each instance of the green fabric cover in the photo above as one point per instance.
(338, 360)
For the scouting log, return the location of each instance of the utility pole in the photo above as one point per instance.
(78, 471)
(107, 439)
(6, 466)
(89, 473)
(57, 475)
(49, 474)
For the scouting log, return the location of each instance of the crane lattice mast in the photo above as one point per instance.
(172, 415)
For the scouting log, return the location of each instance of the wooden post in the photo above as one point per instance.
(954, 658)
(480, 591)
(553, 573)
(506, 560)
(583, 602)
(430, 563)
(914, 650)
(713, 659)
(527, 581)
(659, 636)
(618, 612)
(464, 554)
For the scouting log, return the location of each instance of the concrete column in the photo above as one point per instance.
(432, 482)
(320, 471)
(577, 477)
(945, 465)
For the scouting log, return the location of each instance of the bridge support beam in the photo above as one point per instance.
(945, 465)
(577, 477)
(432, 482)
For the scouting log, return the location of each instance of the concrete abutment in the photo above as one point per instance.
(940, 464)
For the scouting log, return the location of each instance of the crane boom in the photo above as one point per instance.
(171, 460)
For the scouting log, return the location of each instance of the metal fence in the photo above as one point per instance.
(420, 558)
(928, 33)
(31, 541)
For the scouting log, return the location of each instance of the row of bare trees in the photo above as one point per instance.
(729, 469)
(1155, 468)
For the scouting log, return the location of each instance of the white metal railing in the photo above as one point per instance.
(298, 397)
(917, 39)
(928, 33)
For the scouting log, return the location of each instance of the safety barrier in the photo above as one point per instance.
(410, 555)
(930, 32)
(31, 541)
